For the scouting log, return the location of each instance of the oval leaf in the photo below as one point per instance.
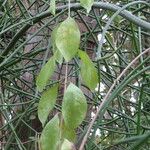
(88, 71)
(74, 106)
(50, 135)
(68, 133)
(68, 38)
(53, 7)
(58, 56)
(47, 102)
(45, 73)
(87, 4)
(67, 145)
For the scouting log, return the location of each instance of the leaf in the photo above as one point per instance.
(67, 145)
(68, 38)
(53, 37)
(47, 103)
(87, 4)
(50, 135)
(68, 133)
(45, 73)
(53, 7)
(58, 56)
(74, 106)
(88, 71)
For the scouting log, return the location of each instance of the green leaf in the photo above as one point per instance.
(53, 7)
(47, 103)
(45, 73)
(67, 145)
(74, 106)
(68, 133)
(50, 135)
(53, 37)
(68, 38)
(58, 56)
(89, 73)
(87, 4)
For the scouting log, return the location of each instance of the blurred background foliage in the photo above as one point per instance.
(25, 45)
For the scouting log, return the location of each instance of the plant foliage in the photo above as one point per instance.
(74, 75)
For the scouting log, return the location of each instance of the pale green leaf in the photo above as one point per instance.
(87, 4)
(47, 103)
(53, 7)
(45, 74)
(74, 106)
(50, 135)
(67, 145)
(68, 38)
(89, 73)
(58, 56)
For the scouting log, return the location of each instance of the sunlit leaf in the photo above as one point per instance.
(88, 71)
(87, 4)
(53, 7)
(67, 145)
(68, 38)
(50, 135)
(47, 102)
(74, 106)
(45, 74)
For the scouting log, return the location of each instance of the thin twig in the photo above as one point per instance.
(66, 77)
(126, 14)
(68, 8)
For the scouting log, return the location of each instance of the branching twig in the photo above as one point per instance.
(107, 96)
(126, 14)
